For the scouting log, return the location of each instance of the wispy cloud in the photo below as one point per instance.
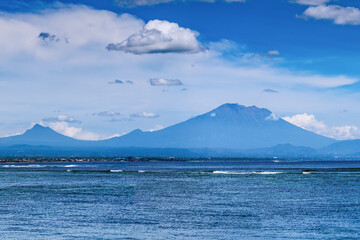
(144, 115)
(117, 81)
(311, 2)
(107, 114)
(160, 37)
(165, 82)
(61, 118)
(268, 90)
(273, 53)
(139, 3)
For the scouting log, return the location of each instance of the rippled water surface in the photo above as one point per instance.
(180, 200)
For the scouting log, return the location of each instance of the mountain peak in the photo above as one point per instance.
(238, 107)
(41, 131)
(38, 128)
(236, 112)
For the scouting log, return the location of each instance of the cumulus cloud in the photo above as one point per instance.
(117, 81)
(160, 37)
(107, 114)
(74, 132)
(311, 2)
(337, 14)
(61, 118)
(144, 115)
(63, 31)
(268, 90)
(309, 122)
(165, 82)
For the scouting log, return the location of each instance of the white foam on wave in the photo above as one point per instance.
(306, 172)
(116, 171)
(22, 166)
(141, 171)
(228, 172)
(70, 166)
(268, 172)
(240, 173)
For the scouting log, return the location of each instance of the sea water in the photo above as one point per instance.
(217, 199)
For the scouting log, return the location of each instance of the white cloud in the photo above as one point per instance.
(338, 14)
(160, 37)
(272, 117)
(312, 2)
(67, 29)
(73, 77)
(107, 114)
(61, 118)
(309, 122)
(156, 128)
(144, 115)
(134, 3)
(139, 3)
(273, 53)
(117, 81)
(74, 132)
(165, 82)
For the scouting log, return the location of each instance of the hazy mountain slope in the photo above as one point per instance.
(229, 126)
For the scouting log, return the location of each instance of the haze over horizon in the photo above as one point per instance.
(96, 70)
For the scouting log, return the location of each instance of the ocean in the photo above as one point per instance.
(207, 199)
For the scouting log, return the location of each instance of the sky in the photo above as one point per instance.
(98, 69)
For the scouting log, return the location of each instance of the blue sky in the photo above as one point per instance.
(96, 69)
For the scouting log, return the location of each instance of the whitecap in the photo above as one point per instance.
(69, 166)
(22, 166)
(268, 172)
(239, 173)
(228, 172)
(116, 171)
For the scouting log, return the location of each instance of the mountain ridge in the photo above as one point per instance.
(230, 126)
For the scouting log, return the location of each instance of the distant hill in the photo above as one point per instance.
(39, 135)
(348, 147)
(282, 150)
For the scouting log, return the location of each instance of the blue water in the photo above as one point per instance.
(180, 200)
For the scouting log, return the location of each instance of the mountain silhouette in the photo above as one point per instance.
(40, 136)
(230, 126)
